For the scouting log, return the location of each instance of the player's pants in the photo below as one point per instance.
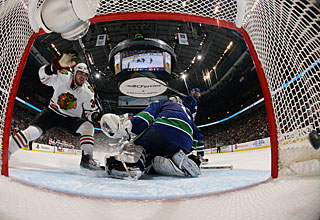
(48, 119)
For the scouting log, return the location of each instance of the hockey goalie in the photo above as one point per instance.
(160, 139)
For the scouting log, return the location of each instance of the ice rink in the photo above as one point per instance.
(50, 186)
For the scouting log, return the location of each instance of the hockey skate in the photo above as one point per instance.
(314, 138)
(120, 170)
(204, 161)
(188, 166)
(87, 162)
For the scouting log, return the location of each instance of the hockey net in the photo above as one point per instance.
(282, 35)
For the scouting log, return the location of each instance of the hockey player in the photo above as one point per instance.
(165, 136)
(191, 101)
(73, 96)
(200, 148)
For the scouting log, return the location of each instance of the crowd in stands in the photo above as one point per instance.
(250, 126)
(21, 119)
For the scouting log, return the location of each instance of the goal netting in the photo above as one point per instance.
(282, 36)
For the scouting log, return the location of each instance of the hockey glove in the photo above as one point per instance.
(66, 61)
(96, 117)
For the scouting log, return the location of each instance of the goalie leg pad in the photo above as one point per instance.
(188, 166)
(165, 166)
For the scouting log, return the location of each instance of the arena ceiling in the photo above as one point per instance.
(232, 80)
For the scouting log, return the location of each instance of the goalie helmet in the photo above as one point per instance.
(176, 99)
(115, 126)
(81, 67)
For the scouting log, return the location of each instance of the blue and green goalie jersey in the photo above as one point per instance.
(172, 120)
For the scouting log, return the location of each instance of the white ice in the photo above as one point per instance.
(283, 198)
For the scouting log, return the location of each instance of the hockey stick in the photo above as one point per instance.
(163, 84)
(91, 81)
(217, 167)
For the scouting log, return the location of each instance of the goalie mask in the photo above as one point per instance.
(115, 126)
(176, 99)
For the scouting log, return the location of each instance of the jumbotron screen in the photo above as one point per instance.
(143, 60)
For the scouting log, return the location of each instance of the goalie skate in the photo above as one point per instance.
(188, 166)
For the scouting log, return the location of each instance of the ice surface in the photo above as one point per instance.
(283, 198)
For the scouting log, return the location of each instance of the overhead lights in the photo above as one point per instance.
(90, 58)
(230, 45)
(54, 47)
(207, 77)
(199, 57)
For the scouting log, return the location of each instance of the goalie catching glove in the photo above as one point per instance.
(115, 126)
(128, 164)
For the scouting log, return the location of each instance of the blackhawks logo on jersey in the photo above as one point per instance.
(67, 101)
(91, 89)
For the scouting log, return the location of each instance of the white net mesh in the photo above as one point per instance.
(222, 9)
(14, 35)
(285, 35)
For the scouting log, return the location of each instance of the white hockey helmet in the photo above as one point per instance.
(115, 126)
(81, 67)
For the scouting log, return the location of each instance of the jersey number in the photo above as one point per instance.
(93, 103)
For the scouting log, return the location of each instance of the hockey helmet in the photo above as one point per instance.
(176, 99)
(195, 90)
(81, 67)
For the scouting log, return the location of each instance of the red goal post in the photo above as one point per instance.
(282, 37)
